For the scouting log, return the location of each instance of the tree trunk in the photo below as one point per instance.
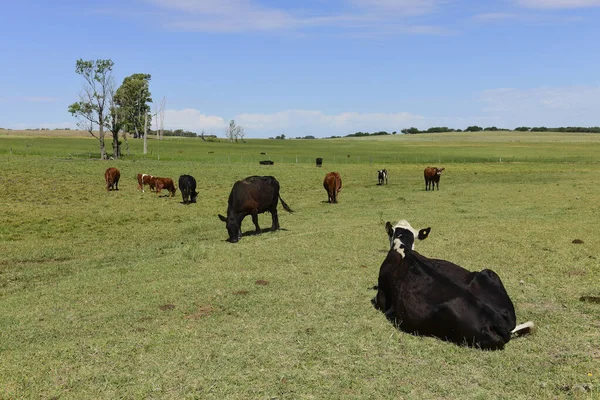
(103, 154)
(116, 145)
(145, 134)
(126, 143)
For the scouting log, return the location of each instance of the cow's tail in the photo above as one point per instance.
(285, 206)
(524, 329)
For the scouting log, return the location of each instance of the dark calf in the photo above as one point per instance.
(187, 185)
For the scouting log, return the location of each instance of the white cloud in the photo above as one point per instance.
(235, 16)
(547, 106)
(557, 4)
(400, 7)
(47, 125)
(193, 120)
(293, 122)
(495, 16)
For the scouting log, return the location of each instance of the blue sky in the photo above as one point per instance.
(316, 67)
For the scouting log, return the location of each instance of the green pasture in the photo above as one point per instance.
(502, 146)
(125, 294)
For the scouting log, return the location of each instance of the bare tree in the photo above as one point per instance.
(93, 106)
(240, 134)
(234, 132)
(159, 118)
(146, 133)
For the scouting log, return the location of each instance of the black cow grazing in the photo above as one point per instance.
(438, 298)
(266, 162)
(432, 176)
(187, 185)
(252, 196)
(382, 176)
(319, 161)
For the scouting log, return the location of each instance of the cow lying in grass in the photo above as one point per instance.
(438, 298)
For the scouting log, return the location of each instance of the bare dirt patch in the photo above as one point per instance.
(167, 307)
(261, 282)
(203, 311)
(240, 292)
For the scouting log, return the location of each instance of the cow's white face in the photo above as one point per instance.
(402, 235)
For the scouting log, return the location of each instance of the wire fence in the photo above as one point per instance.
(215, 158)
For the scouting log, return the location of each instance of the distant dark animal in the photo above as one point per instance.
(165, 183)
(112, 176)
(319, 162)
(438, 298)
(263, 153)
(382, 176)
(332, 184)
(145, 179)
(266, 162)
(252, 196)
(187, 185)
(432, 177)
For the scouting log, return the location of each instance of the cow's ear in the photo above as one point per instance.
(424, 233)
(389, 229)
(222, 218)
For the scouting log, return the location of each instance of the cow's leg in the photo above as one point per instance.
(275, 218)
(255, 221)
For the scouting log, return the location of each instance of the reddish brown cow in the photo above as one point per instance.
(112, 176)
(165, 183)
(145, 179)
(333, 184)
(432, 177)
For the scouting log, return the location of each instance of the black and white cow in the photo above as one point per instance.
(382, 175)
(438, 298)
(187, 185)
(252, 196)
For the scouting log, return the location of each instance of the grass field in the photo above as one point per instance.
(128, 295)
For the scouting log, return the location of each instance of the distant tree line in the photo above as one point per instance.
(475, 128)
(361, 134)
(180, 133)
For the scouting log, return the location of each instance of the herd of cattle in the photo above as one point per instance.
(417, 294)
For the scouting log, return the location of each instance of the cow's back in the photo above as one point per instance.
(254, 193)
(429, 173)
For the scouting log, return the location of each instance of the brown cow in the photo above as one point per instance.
(165, 183)
(333, 184)
(145, 179)
(432, 176)
(112, 176)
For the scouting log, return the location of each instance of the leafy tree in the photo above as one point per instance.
(491, 128)
(474, 128)
(522, 129)
(133, 96)
(411, 130)
(93, 106)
